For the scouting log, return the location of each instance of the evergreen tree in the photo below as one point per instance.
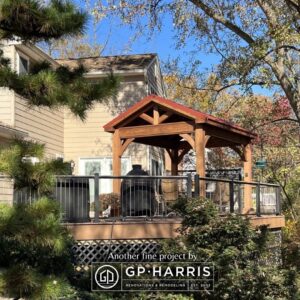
(32, 21)
(37, 178)
(35, 256)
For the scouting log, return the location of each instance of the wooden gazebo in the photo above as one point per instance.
(160, 122)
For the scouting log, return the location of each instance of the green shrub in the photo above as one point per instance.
(238, 251)
(36, 250)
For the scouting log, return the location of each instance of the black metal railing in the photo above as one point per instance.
(101, 198)
(239, 196)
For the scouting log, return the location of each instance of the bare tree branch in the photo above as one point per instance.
(275, 121)
(294, 5)
(218, 90)
(220, 19)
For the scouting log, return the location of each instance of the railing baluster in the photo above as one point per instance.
(96, 198)
(189, 185)
(197, 185)
(258, 199)
(278, 202)
(239, 195)
(231, 196)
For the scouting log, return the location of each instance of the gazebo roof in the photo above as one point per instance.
(128, 117)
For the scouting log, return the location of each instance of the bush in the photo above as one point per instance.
(35, 251)
(239, 253)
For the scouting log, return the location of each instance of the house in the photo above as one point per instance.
(65, 136)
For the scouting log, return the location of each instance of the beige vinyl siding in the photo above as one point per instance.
(138, 154)
(88, 140)
(43, 125)
(6, 106)
(155, 80)
(6, 95)
(6, 190)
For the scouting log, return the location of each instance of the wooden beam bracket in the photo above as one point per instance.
(239, 151)
(182, 154)
(165, 116)
(125, 144)
(147, 118)
(207, 137)
(189, 139)
(170, 153)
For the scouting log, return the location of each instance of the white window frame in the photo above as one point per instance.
(81, 164)
(105, 184)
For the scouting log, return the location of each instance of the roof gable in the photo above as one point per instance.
(176, 109)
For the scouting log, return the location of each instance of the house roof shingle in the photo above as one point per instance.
(108, 63)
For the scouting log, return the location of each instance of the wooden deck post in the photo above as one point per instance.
(116, 149)
(200, 156)
(174, 162)
(247, 178)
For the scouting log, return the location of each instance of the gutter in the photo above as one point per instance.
(27, 48)
(8, 132)
(105, 73)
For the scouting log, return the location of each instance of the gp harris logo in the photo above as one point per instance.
(145, 276)
(107, 277)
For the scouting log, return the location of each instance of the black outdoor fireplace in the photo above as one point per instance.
(138, 194)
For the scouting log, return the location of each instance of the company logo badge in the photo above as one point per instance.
(106, 277)
(155, 276)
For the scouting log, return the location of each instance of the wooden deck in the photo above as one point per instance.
(154, 229)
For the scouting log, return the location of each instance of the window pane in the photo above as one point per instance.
(125, 165)
(92, 167)
(155, 168)
(23, 65)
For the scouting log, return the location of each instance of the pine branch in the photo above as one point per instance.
(45, 87)
(31, 20)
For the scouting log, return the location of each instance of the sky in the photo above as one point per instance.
(118, 40)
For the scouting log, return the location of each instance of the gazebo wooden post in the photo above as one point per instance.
(200, 156)
(247, 178)
(116, 149)
(174, 162)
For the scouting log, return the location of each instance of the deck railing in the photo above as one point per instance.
(84, 198)
(230, 195)
(91, 198)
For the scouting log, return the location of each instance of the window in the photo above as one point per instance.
(156, 169)
(92, 166)
(23, 64)
(103, 166)
(156, 73)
